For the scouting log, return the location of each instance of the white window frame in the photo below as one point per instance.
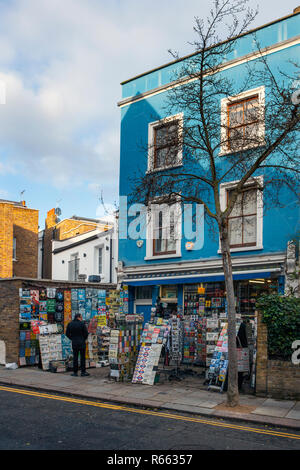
(98, 254)
(178, 234)
(73, 257)
(224, 187)
(151, 129)
(96, 259)
(260, 91)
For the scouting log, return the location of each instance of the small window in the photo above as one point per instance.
(14, 248)
(100, 260)
(73, 268)
(165, 143)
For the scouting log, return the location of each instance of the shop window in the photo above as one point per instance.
(143, 293)
(242, 121)
(165, 143)
(168, 293)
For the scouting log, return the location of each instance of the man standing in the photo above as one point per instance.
(77, 332)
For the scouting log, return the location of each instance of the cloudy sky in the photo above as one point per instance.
(62, 62)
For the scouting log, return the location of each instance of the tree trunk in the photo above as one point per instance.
(232, 392)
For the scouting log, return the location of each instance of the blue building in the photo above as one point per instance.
(175, 271)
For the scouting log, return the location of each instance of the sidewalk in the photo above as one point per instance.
(184, 396)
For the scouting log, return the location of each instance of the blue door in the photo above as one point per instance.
(145, 310)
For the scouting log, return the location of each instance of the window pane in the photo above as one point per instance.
(236, 114)
(251, 110)
(250, 229)
(251, 134)
(143, 292)
(249, 201)
(236, 138)
(163, 229)
(235, 231)
(237, 208)
(14, 248)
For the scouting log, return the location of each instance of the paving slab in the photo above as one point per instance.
(187, 408)
(294, 413)
(195, 402)
(277, 408)
(250, 401)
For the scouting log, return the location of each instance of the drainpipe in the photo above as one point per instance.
(110, 260)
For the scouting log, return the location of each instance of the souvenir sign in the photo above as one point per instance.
(51, 292)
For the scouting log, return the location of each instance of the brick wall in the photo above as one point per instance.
(69, 228)
(22, 223)
(10, 306)
(6, 240)
(9, 318)
(276, 379)
(25, 229)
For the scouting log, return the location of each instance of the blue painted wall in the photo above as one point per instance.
(280, 224)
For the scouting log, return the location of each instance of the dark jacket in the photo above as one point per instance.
(242, 336)
(77, 332)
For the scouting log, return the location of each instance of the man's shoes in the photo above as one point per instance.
(84, 374)
(75, 374)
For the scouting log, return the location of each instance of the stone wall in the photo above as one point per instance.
(275, 379)
(10, 306)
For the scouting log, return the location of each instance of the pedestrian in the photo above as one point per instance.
(77, 332)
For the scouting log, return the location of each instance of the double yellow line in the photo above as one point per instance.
(151, 413)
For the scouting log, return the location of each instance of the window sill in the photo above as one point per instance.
(223, 153)
(245, 248)
(157, 170)
(150, 258)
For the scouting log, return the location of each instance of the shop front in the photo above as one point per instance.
(198, 305)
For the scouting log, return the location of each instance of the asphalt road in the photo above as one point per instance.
(39, 421)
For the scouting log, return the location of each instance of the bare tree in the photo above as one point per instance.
(226, 135)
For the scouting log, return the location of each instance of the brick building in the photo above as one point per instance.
(18, 240)
(63, 230)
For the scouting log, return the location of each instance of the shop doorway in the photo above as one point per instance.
(145, 310)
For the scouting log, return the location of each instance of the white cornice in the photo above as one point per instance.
(215, 263)
(193, 276)
(231, 63)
